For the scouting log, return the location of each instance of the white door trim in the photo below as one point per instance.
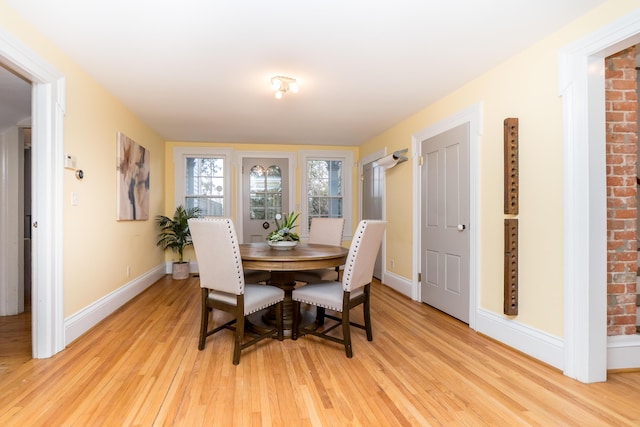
(472, 115)
(239, 157)
(581, 85)
(48, 107)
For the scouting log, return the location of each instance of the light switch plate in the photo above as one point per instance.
(69, 161)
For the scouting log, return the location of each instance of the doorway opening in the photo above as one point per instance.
(15, 191)
(621, 107)
(47, 110)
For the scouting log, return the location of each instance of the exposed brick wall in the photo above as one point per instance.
(622, 224)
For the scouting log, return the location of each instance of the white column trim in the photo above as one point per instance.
(581, 85)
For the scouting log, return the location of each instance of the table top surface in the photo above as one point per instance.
(301, 252)
(304, 256)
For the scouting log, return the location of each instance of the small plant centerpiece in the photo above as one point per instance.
(175, 235)
(283, 237)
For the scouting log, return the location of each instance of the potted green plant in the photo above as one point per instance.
(283, 237)
(174, 234)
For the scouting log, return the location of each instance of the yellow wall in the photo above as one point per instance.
(170, 175)
(525, 86)
(97, 248)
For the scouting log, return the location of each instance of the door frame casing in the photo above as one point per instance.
(238, 159)
(48, 108)
(473, 116)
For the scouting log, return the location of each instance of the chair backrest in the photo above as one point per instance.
(326, 231)
(358, 268)
(218, 253)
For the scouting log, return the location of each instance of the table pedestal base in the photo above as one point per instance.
(266, 319)
(261, 321)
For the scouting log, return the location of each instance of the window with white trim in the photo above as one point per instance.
(203, 179)
(326, 178)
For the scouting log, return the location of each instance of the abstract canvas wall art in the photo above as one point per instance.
(133, 180)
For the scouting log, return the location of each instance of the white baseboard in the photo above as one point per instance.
(623, 352)
(539, 345)
(532, 342)
(398, 283)
(83, 320)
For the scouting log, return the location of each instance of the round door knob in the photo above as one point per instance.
(461, 227)
(265, 225)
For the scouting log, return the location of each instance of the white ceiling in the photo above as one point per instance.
(199, 70)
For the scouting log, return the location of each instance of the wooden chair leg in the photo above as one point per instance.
(346, 333)
(320, 316)
(366, 307)
(280, 321)
(204, 319)
(239, 338)
(295, 320)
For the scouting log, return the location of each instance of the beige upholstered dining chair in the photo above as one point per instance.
(326, 231)
(223, 286)
(341, 297)
(323, 231)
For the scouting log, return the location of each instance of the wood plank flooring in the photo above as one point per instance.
(141, 367)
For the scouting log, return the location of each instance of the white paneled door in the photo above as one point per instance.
(445, 222)
(265, 193)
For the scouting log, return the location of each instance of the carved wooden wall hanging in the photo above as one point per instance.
(511, 206)
(511, 181)
(511, 267)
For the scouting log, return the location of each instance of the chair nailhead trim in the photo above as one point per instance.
(358, 239)
(320, 305)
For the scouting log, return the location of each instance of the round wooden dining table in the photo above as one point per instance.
(283, 265)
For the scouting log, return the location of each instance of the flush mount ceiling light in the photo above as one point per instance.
(282, 85)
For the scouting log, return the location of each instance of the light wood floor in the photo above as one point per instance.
(141, 366)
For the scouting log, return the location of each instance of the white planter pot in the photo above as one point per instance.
(180, 270)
